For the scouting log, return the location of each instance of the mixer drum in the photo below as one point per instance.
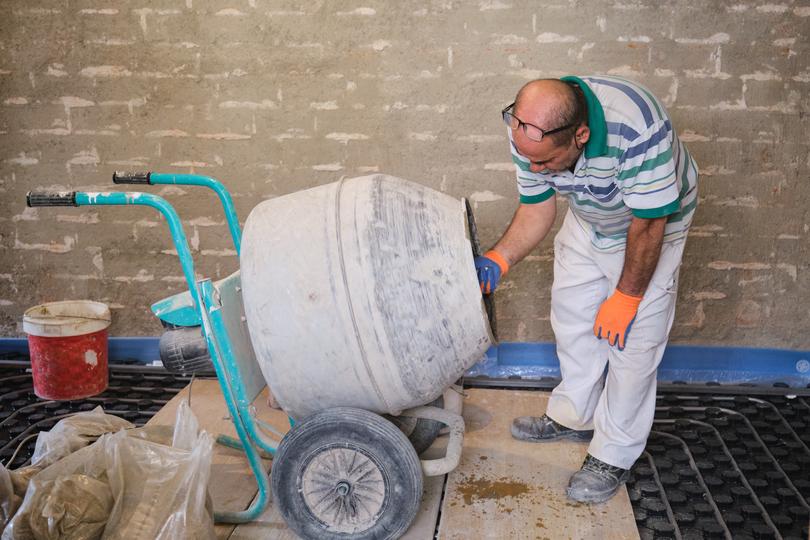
(362, 293)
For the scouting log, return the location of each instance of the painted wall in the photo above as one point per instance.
(277, 96)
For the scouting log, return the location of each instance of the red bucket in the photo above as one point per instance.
(68, 346)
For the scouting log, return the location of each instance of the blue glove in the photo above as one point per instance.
(491, 267)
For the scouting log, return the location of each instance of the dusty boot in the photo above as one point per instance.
(596, 481)
(543, 428)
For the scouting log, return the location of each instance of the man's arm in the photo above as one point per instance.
(530, 225)
(644, 240)
(617, 313)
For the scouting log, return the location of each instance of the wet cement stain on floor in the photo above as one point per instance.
(473, 488)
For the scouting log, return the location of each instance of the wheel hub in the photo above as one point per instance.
(344, 489)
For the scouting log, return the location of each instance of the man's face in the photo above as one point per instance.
(545, 155)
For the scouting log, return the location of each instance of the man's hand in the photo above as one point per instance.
(617, 313)
(615, 318)
(491, 267)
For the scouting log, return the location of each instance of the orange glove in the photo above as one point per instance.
(615, 318)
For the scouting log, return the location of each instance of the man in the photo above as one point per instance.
(607, 145)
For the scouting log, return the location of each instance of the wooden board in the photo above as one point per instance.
(232, 486)
(504, 488)
(271, 526)
(424, 525)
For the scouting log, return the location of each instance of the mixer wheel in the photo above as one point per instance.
(346, 473)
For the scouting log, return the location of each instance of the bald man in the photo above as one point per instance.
(607, 145)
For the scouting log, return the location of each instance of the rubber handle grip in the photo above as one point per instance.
(52, 198)
(126, 177)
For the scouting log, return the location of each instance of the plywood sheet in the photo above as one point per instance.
(504, 488)
(232, 486)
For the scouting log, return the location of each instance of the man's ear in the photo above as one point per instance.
(582, 135)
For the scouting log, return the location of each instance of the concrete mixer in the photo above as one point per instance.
(354, 300)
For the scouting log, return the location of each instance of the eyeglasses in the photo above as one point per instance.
(532, 132)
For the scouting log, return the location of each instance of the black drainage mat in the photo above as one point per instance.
(134, 393)
(716, 465)
(720, 466)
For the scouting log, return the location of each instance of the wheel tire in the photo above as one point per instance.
(420, 431)
(346, 473)
(183, 350)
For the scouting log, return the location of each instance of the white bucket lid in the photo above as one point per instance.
(66, 318)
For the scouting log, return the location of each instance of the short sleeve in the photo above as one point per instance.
(647, 173)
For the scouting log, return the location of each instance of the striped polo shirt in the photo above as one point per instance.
(632, 165)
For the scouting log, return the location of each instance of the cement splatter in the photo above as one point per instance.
(474, 489)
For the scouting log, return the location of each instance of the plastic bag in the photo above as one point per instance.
(129, 485)
(74, 432)
(67, 436)
(69, 500)
(160, 491)
(9, 500)
(76, 508)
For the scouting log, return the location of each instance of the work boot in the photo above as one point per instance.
(543, 428)
(596, 481)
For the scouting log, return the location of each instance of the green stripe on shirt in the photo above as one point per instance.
(651, 213)
(648, 165)
(534, 199)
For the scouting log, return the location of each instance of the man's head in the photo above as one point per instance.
(550, 104)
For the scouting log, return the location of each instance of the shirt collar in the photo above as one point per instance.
(597, 143)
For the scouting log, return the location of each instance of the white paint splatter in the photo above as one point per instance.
(364, 11)
(493, 5)
(327, 167)
(230, 12)
(98, 11)
(84, 157)
(56, 70)
(166, 133)
(424, 136)
(23, 160)
(551, 37)
(323, 105)
(485, 196)
(380, 45)
(508, 39)
(503, 166)
(720, 37)
(105, 71)
(344, 138)
(481, 138)
(252, 105)
(223, 136)
(772, 8)
(91, 358)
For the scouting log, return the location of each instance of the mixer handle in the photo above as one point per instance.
(127, 177)
(51, 198)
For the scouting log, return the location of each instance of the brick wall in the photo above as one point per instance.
(273, 96)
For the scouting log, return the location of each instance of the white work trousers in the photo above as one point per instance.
(618, 404)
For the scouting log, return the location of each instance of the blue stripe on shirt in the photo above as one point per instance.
(633, 95)
(601, 194)
(642, 148)
(619, 128)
